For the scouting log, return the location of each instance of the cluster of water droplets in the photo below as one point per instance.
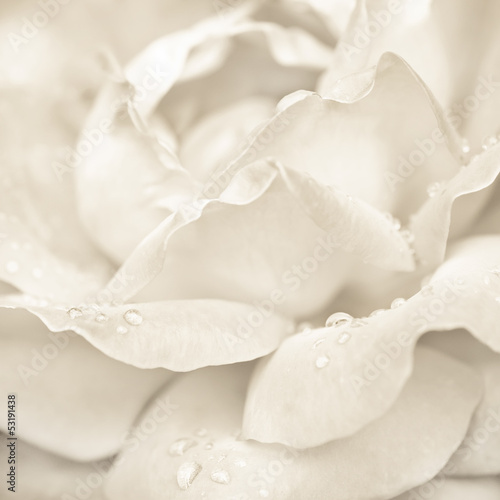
(189, 470)
(131, 316)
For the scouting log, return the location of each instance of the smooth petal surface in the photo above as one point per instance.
(73, 400)
(178, 335)
(344, 377)
(444, 488)
(52, 476)
(479, 454)
(407, 446)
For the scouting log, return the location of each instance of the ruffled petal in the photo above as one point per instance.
(73, 400)
(279, 227)
(479, 454)
(346, 376)
(178, 335)
(196, 451)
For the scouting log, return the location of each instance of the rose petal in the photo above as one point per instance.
(362, 369)
(287, 47)
(52, 476)
(443, 488)
(425, 425)
(73, 400)
(479, 454)
(431, 224)
(178, 335)
(441, 47)
(27, 264)
(258, 245)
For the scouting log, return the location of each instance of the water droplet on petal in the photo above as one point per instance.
(180, 446)
(397, 303)
(263, 493)
(305, 327)
(322, 361)
(377, 312)
(396, 223)
(187, 473)
(338, 319)
(74, 313)
(465, 146)
(220, 476)
(37, 273)
(489, 141)
(12, 267)
(434, 189)
(408, 236)
(357, 322)
(317, 343)
(201, 432)
(101, 318)
(121, 329)
(133, 317)
(343, 337)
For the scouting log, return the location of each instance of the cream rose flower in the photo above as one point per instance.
(295, 202)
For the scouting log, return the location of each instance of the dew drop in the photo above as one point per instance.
(465, 146)
(338, 319)
(121, 329)
(322, 361)
(408, 236)
(396, 223)
(133, 317)
(220, 476)
(357, 322)
(12, 267)
(179, 447)
(377, 312)
(343, 337)
(101, 318)
(489, 141)
(434, 189)
(74, 313)
(305, 327)
(317, 343)
(187, 473)
(397, 303)
(202, 432)
(37, 273)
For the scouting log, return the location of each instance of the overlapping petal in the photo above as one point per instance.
(73, 400)
(178, 335)
(406, 447)
(344, 377)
